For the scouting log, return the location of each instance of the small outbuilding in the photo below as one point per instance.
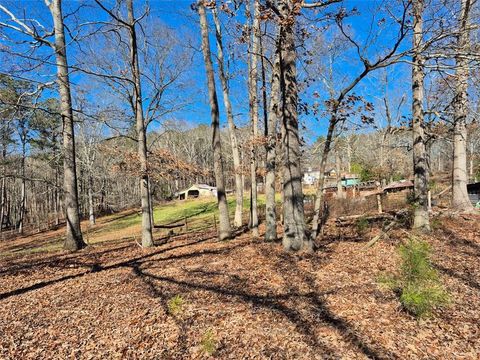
(350, 179)
(197, 191)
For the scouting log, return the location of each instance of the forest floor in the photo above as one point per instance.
(193, 297)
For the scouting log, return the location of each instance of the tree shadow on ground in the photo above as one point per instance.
(467, 279)
(288, 268)
(467, 247)
(306, 318)
(470, 247)
(97, 267)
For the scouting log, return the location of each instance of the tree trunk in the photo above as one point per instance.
(338, 170)
(420, 170)
(253, 100)
(23, 195)
(3, 202)
(57, 198)
(349, 153)
(74, 240)
(224, 231)
(317, 217)
(472, 154)
(237, 222)
(270, 205)
(91, 207)
(294, 237)
(460, 199)
(147, 239)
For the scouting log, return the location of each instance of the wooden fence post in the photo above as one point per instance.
(379, 203)
(429, 199)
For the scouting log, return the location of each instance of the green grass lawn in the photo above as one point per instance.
(200, 214)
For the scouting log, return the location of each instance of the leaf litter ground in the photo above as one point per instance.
(249, 298)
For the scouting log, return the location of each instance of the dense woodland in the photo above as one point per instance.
(108, 107)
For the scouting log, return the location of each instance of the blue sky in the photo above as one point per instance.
(178, 16)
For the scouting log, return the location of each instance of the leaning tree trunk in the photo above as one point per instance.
(294, 237)
(460, 199)
(74, 240)
(224, 228)
(253, 100)
(270, 205)
(147, 238)
(231, 125)
(420, 168)
(319, 198)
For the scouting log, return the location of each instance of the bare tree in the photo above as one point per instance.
(460, 199)
(294, 237)
(270, 211)
(74, 240)
(253, 55)
(420, 167)
(140, 124)
(224, 228)
(231, 124)
(147, 216)
(337, 103)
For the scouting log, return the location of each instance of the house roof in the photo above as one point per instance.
(204, 186)
(197, 186)
(402, 184)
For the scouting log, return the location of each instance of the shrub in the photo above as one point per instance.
(421, 300)
(175, 305)
(209, 343)
(418, 284)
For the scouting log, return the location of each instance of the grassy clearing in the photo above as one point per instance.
(201, 214)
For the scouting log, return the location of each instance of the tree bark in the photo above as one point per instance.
(294, 238)
(472, 154)
(91, 207)
(270, 205)
(420, 167)
(3, 195)
(460, 199)
(23, 195)
(147, 238)
(224, 231)
(338, 170)
(253, 102)
(57, 198)
(237, 222)
(317, 217)
(74, 240)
